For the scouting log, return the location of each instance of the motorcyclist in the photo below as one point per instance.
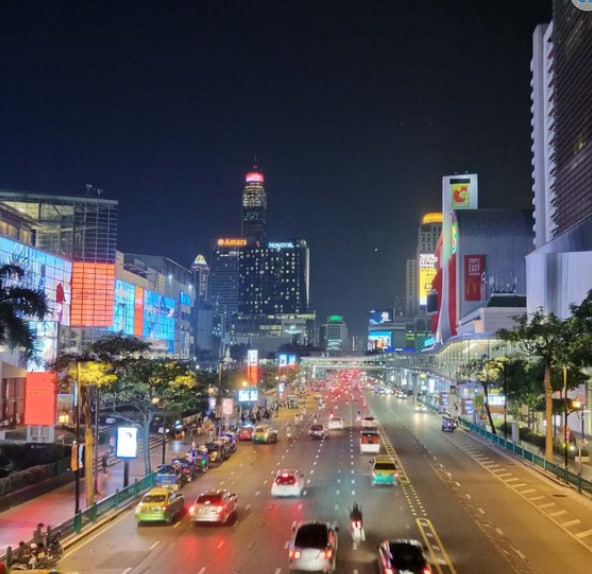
(289, 431)
(357, 520)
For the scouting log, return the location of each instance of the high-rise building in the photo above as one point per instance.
(274, 278)
(202, 278)
(421, 270)
(224, 280)
(572, 39)
(254, 210)
(559, 270)
(333, 335)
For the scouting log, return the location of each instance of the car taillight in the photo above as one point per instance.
(192, 509)
(219, 508)
(427, 570)
(294, 554)
(388, 570)
(329, 553)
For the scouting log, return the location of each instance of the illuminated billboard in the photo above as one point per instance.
(380, 341)
(460, 192)
(42, 271)
(159, 321)
(46, 345)
(231, 242)
(93, 294)
(253, 365)
(474, 277)
(40, 399)
(381, 316)
(126, 442)
(124, 308)
(428, 267)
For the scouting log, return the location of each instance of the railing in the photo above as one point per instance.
(559, 470)
(88, 517)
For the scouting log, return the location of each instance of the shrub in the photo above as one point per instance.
(22, 478)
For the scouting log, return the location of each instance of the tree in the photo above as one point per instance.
(544, 337)
(18, 305)
(485, 371)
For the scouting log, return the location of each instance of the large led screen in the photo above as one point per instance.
(159, 321)
(381, 316)
(46, 345)
(43, 271)
(380, 341)
(40, 399)
(93, 294)
(124, 307)
(427, 264)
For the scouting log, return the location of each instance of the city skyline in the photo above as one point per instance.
(354, 113)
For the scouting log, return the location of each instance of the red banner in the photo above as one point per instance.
(474, 272)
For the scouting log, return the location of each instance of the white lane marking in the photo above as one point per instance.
(352, 471)
(338, 480)
(546, 505)
(300, 505)
(303, 494)
(519, 553)
(202, 570)
(257, 493)
(127, 570)
(558, 513)
(294, 524)
(154, 545)
(308, 481)
(570, 522)
(353, 481)
(278, 571)
(337, 507)
(220, 544)
(337, 492)
(536, 497)
(583, 534)
(511, 479)
(353, 492)
(248, 507)
(499, 531)
(177, 524)
(481, 510)
(312, 471)
(527, 491)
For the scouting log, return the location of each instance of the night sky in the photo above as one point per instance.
(354, 109)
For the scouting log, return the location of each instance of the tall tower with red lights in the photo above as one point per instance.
(254, 211)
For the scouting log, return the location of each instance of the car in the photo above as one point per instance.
(317, 431)
(336, 423)
(245, 432)
(402, 555)
(317, 396)
(313, 547)
(218, 451)
(369, 441)
(160, 505)
(420, 408)
(214, 506)
(384, 471)
(230, 438)
(287, 482)
(369, 422)
(264, 434)
(448, 424)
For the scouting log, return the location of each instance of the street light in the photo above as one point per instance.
(578, 407)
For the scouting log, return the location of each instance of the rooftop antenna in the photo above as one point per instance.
(255, 160)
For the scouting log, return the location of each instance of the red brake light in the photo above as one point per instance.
(192, 509)
(294, 554)
(219, 508)
(427, 570)
(328, 553)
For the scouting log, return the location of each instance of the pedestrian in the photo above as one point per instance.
(39, 534)
(105, 464)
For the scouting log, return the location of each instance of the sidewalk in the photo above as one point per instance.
(57, 506)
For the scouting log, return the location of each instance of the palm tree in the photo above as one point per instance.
(17, 306)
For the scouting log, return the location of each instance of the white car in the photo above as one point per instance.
(313, 547)
(335, 423)
(369, 423)
(287, 482)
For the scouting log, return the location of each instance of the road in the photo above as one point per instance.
(475, 510)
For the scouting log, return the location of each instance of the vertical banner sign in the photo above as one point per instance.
(252, 365)
(474, 270)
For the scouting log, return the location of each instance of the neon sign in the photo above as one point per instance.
(254, 177)
(231, 242)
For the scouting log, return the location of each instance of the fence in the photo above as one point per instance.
(559, 470)
(88, 517)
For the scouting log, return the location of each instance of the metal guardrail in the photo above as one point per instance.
(558, 470)
(87, 518)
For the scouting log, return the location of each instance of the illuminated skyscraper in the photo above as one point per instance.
(254, 211)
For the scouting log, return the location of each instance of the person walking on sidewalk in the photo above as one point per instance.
(105, 464)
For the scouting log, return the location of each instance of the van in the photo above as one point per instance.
(384, 471)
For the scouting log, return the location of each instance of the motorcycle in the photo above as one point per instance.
(357, 530)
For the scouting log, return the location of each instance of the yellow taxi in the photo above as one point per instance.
(384, 471)
(264, 434)
(160, 505)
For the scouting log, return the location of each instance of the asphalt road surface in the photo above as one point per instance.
(475, 510)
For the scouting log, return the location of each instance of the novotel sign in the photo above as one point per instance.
(231, 242)
(281, 245)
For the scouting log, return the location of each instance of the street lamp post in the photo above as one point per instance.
(219, 396)
(505, 403)
(156, 401)
(565, 413)
(77, 441)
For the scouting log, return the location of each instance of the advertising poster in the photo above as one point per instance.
(40, 399)
(159, 321)
(93, 294)
(428, 264)
(126, 442)
(474, 273)
(43, 271)
(380, 341)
